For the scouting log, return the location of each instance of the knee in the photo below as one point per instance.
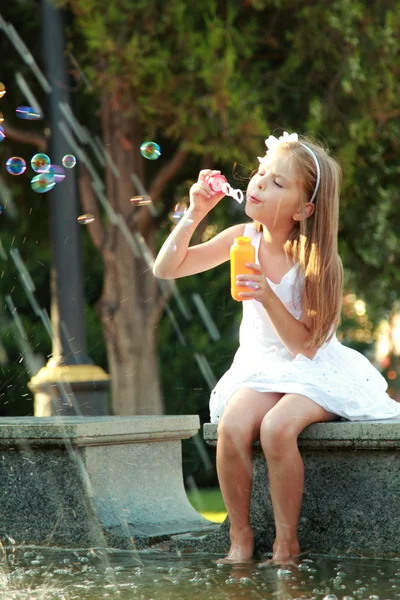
(233, 434)
(276, 435)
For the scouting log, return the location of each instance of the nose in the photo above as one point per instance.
(260, 186)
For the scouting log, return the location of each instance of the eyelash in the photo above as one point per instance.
(277, 184)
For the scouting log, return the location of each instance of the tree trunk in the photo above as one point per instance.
(127, 312)
(128, 305)
(131, 304)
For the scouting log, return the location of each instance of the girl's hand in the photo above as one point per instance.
(202, 198)
(259, 289)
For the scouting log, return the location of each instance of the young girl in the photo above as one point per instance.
(290, 369)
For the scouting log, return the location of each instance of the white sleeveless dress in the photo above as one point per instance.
(338, 378)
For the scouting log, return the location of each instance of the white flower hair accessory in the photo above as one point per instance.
(272, 142)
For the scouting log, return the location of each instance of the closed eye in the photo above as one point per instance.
(280, 186)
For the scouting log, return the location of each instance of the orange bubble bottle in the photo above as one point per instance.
(242, 252)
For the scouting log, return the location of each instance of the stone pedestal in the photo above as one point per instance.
(351, 500)
(95, 481)
(75, 390)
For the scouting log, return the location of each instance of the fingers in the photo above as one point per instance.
(202, 188)
(207, 173)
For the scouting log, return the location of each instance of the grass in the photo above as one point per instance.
(209, 503)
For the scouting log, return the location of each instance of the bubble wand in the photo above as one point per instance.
(219, 183)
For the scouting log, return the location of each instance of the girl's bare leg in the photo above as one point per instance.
(239, 427)
(279, 432)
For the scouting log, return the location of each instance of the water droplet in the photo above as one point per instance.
(69, 161)
(86, 219)
(40, 163)
(150, 150)
(283, 572)
(140, 200)
(42, 183)
(28, 113)
(2, 89)
(16, 165)
(2, 134)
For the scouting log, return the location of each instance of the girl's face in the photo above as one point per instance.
(273, 192)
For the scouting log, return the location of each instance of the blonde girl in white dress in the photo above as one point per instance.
(290, 369)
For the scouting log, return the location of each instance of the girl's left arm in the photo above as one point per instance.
(292, 332)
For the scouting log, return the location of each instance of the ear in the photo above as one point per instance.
(309, 208)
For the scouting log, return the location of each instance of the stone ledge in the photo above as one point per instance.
(86, 431)
(351, 493)
(85, 481)
(339, 434)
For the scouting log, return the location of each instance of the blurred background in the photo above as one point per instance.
(207, 82)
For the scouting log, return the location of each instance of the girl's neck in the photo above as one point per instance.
(274, 242)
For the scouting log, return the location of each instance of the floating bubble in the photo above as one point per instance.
(28, 113)
(16, 165)
(1, 118)
(150, 150)
(85, 219)
(2, 134)
(140, 200)
(2, 89)
(179, 211)
(69, 161)
(40, 163)
(43, 182)
(1, 210)
(57, 172)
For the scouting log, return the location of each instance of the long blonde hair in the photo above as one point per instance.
(313, 240)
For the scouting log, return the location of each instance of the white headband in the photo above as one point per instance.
(272, 142)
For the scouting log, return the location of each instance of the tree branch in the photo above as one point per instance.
(26, 137)
(143, 217)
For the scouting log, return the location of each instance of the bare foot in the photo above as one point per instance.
(241, 550)
(285, 552)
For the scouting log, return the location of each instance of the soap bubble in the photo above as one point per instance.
(1, 210)
(57, 172)
(85, 219)
(69, 161)
(1, 117)
(28, 113)
(2, 89)
(16, 165)
(179, 211)
(40, 163)
(42, 183)
(2, 134)
(140, 200)
(150, 150)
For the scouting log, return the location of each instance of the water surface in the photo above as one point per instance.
(55, 574)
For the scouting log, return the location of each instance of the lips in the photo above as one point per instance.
(254, 200)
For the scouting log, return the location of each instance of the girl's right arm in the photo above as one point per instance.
(175, 258)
